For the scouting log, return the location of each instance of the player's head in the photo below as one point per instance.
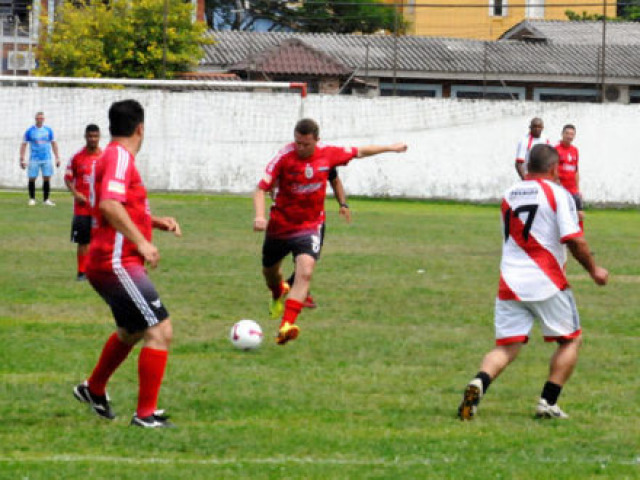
(306, 135)
(543, 160)
(536, 126)
(126, 119)
(92, 136)
(39, 119)
(568, 134)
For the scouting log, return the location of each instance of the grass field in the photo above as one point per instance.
(370, 388)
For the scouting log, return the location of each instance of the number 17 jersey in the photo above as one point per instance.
(538, 217)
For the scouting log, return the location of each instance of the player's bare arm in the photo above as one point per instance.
(54, 147)
(370, 150)
(520, 169)
(80, 198)
(115, 213)
(167, 224)
(579, 248)
(260, 221)
(23, 151)
(341, 198)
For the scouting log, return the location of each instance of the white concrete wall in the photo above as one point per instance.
(217, 141)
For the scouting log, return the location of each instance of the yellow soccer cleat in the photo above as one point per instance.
(287, 332)
(276, 306)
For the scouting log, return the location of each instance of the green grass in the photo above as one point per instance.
(370, 388)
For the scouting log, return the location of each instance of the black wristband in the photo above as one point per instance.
(344, 205)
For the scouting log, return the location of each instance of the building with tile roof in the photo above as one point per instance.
(436, 67)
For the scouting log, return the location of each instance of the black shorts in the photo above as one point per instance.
(81, 229)
(275, 249)
(133, 299)
(578, 199)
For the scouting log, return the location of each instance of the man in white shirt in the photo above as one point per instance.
(539, 218)
(533, 138)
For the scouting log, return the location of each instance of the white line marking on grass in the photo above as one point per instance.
(288, 460)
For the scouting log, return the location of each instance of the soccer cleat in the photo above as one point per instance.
(157, 420)
(544, 410)
(81, 277)
(276, 306)
(287, 332)
(49, 203)
(470, 399)
(309, 303)
(99, 404)
(32, 202)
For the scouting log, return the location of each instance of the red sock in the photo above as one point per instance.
(113, 354)
(82, 262)
(292, 309)
(151, 366)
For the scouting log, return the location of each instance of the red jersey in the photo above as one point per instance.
(78, 173)
(298, 207)
(116, 177)
(568, 167)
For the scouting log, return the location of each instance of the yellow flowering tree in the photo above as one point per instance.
(121, 39)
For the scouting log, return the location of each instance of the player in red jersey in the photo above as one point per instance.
(568, 167)
(299, 171)
(121, 243)
(78, 180)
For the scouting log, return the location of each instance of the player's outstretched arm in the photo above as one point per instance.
(260, 220)
(167, 224)
(579, 248)
(115, 213)
(370, 150)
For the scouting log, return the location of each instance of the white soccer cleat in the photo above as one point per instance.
(49, 203)
(32, 202)
(544, 410)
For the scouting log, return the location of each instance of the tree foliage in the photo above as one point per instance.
(625, 11)
(315, 16)
(121, 39)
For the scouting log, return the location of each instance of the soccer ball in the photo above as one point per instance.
(246, 335)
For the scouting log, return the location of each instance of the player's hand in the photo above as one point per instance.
(600, 276)
(23, 164)
(399, 147)
(150, 253)
(57, 162)
(81, 199)
(260, 224)
(346, 213)
(168, 224)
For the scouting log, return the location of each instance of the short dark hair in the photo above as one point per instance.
(569, 125)
(542, 158)
(124, 117)
(307, 126)
(536, 120)
(92, 127)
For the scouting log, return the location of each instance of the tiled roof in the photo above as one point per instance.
(292, 56)
(580, 33)
(417, 56)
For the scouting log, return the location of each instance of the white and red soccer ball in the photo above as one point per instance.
(246, 335)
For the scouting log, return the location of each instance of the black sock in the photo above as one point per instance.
(485, 378)
(32, 190)
(45, 190)
(551, 392)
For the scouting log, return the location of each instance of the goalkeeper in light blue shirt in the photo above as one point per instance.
(41, 143)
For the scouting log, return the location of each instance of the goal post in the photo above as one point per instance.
(200, 135)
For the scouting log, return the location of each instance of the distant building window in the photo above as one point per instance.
(411, 90)
(488, 93)
(534, 9)
(566, 95)
(497, 8)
